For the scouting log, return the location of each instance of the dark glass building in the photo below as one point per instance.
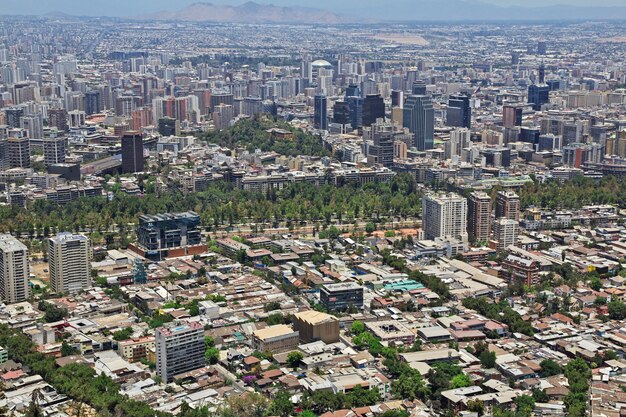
(320, 115)
(132, 152)
(373, 108)
(538, 95)
(459, 112)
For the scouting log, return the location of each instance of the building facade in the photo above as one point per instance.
(14, 270)
(179, 348)
(69, 257)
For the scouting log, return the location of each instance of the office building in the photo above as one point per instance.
(418, 88)
(92, 103)
(341, 113)
(179, 348)
(541, 48)
(69, 259)
(168, 126)
(320, 114)
(444, 216)
(397, 98)
(356, 111)
(459, 112)
(19, 152)
(275, 339)
(314, 325)
(538, 95)
(14, 116)
(5, 163)
(222, 115)
(54, 151)
(459, 140)
(168, 235)
(505, 233)
(382, 148)
(132, 152)
(14, 270)
(479, 217)
(507, 205)
(373, 109)
(58, 118)
(419, 117)
(512, 115)
(341, 296)
(221, 98)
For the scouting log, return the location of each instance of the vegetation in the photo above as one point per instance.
(574, 194)
(79, 382)
(124, 334)
(549, 368)
(578, 376)
(253, 134)
(52, 313)
(501, 312)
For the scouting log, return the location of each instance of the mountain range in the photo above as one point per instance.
(249, 12)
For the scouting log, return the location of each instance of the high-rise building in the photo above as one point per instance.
(459, 112)
(397, 98)
(58, 118)
(356, 111)
(14, 116)
(341, 113)
(383, 137)
(132, 152)
(179, 348)
(419, 117)
(541, 48)
(538, 95)
(505, 233)
(222, 115)
(444, 216)
(69, 257)
(507, 205)
(54, 151)
(14, 270)
(373, 109)
(320, 114)
(542, 73)
(479, 217)
(418, 88)
(512, 115)
(92, 102)
(459, 140)
(19, 152)
(168, 126)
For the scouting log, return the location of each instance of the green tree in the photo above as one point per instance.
(460, 381)
(294, 358)
(549, 368)
(488, 359)
(617, 310)
(281, 405)
(357, 327)
(212, 355)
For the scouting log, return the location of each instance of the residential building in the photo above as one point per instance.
(505, 232)
(69, 257)
(179, 348)
(507, 205)
(479, 217)
(14, 270)
(444, 216)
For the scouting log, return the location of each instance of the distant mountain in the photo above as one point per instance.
(464, 10)
(249, 12)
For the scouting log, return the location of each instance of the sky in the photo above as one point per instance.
(137, 7)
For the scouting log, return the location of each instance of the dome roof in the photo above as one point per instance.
(321, 63)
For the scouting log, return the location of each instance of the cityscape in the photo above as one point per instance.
(376, 209)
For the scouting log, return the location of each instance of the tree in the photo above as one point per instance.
(124, 334)
(294, 358)
(212, 355)
(540, 395)
(549, 368)
(281, 405)
(476, 406)
(409, 385)
(488, 359)
(595, 283)
(68, 350)
(525, 404)
(357, 327)
(617, 310)
(370, 228)
(249, 404)
(460, 381)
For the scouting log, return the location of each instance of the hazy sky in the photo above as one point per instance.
(135, 7)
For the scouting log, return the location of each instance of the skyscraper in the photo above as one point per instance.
(14, 270)
(479, 217)
(538, 95)
(459, 140)
(92, 102)
(418, 88)
(179, 348)
(505, 233)
(459, 112)
(397, 98)
(512, 114)
(507, 205)
(341, 113)
(69, 258)
(320, 115)
(54, 151)
(132, 152)
(444, 216)
(19, 152)
(419, 118)
(356, 111)
(373, 109)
